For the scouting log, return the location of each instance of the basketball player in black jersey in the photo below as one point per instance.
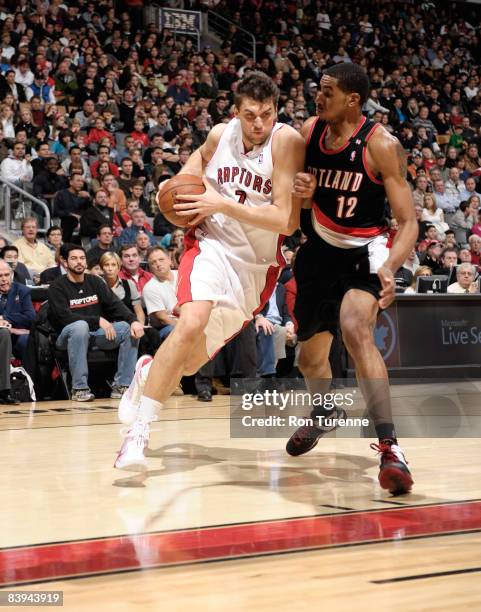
(345, 272)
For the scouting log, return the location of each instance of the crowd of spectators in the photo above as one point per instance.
(97, 108)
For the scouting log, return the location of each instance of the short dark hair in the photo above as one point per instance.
(127, 247)
(152, 249)
(6, 248)
(257, 86)
(52, 228)
(103, 226)
(351, 78)
(66, 249)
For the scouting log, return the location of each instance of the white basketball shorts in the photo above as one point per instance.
(238, 290)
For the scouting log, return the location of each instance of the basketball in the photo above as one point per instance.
(179, 184)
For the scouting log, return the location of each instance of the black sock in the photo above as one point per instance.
(386, 431)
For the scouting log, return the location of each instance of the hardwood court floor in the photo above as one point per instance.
(231, 524)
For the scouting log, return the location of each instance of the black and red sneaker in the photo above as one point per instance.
(306, 437)
(394, 474)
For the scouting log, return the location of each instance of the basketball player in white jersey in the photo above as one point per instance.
(232, 259)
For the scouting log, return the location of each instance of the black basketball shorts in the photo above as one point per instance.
(323, 276)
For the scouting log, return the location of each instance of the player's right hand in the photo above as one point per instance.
(304, 185)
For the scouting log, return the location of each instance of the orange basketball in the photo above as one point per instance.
(184, 184)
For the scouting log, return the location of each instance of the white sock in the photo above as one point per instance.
(148, 408)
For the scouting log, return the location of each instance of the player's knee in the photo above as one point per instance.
(356, 335)
(312, 367)
(190, 329)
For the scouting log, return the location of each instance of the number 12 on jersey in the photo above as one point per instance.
(346, 206)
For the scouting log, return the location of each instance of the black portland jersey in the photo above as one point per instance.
(349, 208)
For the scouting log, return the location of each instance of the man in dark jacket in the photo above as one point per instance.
(20, 271)
(97, 215)
(85, 312)
(69, 204)
(16, 316)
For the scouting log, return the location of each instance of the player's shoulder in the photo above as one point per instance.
(217, 131)
(287, 134)
(382, 140)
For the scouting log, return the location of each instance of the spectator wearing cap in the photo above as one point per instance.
(432, 254)
(441, 165)
(465, 283)
(462, 222)
(40, 89)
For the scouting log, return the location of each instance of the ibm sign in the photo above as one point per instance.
(180, 21)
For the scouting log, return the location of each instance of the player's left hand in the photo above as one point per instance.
(388, 293)
(202, 206)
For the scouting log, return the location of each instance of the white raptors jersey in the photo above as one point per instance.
(247, 179)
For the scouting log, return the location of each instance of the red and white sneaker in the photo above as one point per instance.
(129, 403)
(394, 474)
(131, 456)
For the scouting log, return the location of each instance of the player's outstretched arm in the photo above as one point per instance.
(387, 157)
(282, 215)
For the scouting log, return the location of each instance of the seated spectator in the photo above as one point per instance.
(50, 274)
(98, 132)
(20, 272)
(448, 260)
(446, 201)
(125, 290)
(404, 275)
(138, 133)
(274, 328)
(462, 222)
(465, 283)
(69, 205)
(470, 188)
(97, 215)
(131, 270)
(431, 255)
(464, 255)
(430, 235)
(53, 238)
(16, 310)
(85, 312)
(420, 271)
(105, 241)
(126, 178)
(103, 153)
(159, 293)
(454, 185)
(476, 229)
(142, 241)
(17, 167)
(34, 254)
(116, 197)
(50, 181)
(433, 215)
(475, 248)
(74, 159)
(137, 195)
(420, 190)
(139, 224)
